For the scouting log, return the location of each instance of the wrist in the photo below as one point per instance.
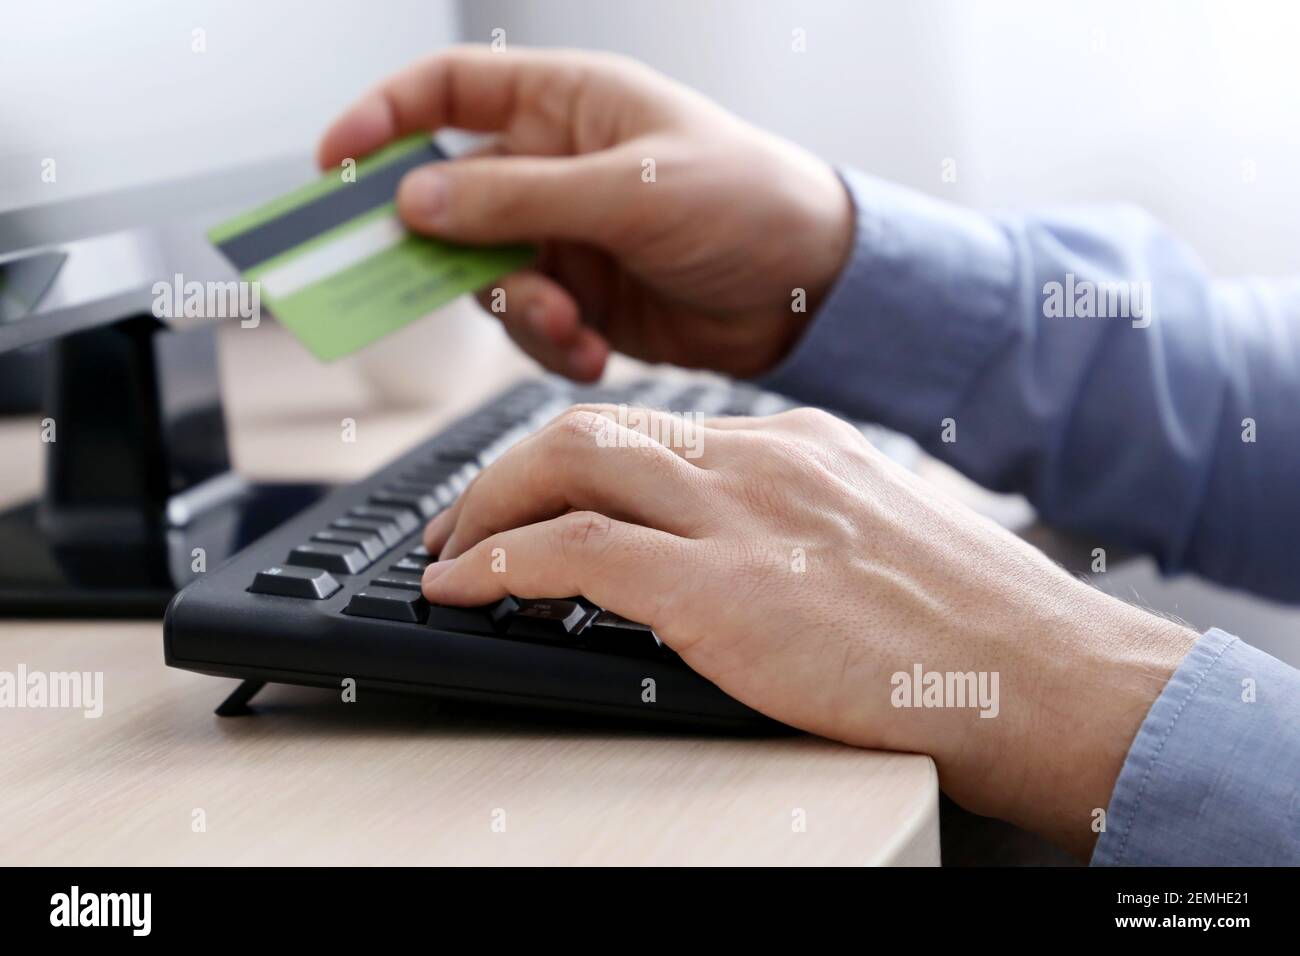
(837, 215)
(810, 243)
(1101, 664)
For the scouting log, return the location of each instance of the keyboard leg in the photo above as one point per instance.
(236, 705)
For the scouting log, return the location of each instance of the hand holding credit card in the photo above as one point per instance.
(339, 269)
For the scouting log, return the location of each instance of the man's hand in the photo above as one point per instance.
(796, 567)
(670, 230)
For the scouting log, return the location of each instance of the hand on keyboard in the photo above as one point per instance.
(808, 576)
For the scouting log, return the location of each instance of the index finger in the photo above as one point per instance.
(634, 571)
(470, 87)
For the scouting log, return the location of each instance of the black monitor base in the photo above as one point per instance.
(140, 497)
(40, 578)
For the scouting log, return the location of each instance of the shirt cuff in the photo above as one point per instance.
(1210, 779)
(925, 300)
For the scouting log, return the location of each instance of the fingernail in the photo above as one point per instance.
(434, 571)
(423, 195)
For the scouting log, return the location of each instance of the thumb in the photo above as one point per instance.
(518, 198)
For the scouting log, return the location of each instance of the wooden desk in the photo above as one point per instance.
(312, 780)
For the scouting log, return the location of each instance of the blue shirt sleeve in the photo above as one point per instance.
(1213, 776)
(1171, 432)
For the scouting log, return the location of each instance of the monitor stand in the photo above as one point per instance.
(139, 493)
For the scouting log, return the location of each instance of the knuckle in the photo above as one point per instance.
(810, 419)
(581, 424)
(604, 409)
(552, 91)
(583, 531)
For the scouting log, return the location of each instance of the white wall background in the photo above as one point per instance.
(116, 94)
(1191, 109)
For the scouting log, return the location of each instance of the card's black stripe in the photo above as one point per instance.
(372, 189)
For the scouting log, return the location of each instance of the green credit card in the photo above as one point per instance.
(335, 264)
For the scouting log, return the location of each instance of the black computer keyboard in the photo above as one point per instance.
(334, 593)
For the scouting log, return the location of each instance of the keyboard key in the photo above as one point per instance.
(614, 633)
(290, 581)
(444, 492)
(419, 551)
(388, 531)
(471, 620)
(411, 484)
(389, 604)
(339, 558)
(610, 620)
(434, 474)
(405, 519)
(423, 503)
(542, 619)
(398, 579)
(502, 610)
(416, 565)
(458, 452)
(367, 541)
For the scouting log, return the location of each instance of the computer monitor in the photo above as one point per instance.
(139, 125)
